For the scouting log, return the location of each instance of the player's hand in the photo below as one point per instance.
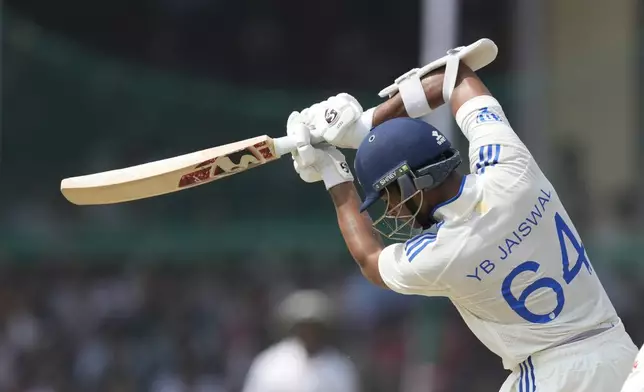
(313, 164)
(337, 120)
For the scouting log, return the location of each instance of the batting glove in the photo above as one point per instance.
(321, 163)
(339, 120)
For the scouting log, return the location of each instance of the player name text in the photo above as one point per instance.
(516, 237)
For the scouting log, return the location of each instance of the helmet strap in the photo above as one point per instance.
(407, 185)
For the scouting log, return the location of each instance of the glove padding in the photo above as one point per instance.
(321, 163)
(340, 120)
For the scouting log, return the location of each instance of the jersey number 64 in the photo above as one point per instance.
(569, 274)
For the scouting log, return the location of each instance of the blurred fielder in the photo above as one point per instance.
(502, 248)
(304, 361)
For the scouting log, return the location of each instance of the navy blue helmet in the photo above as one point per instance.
(406, 152)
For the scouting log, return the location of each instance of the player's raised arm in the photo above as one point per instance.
(363, 242)
(340, 120)
(467, 86)
(451, 78)
(493, 145)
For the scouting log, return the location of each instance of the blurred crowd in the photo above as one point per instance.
(196, 328)
(166, 329)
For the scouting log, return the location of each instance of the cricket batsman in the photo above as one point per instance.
(497, 242)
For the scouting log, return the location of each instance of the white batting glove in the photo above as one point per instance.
(339, 120)
(323, 163)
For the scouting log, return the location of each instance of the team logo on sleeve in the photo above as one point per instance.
(486, 115)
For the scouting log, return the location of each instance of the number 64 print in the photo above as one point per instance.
(569, 274)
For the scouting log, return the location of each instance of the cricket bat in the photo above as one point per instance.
(201, 167)
(174, 174)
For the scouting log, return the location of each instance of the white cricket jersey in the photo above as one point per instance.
(506, 252)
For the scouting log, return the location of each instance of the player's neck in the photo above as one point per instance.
(451, 187)
(446, 191)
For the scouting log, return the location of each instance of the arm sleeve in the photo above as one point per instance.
(494, 146)
(413, 267)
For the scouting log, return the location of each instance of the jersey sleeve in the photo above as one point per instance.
(414, 267)
(494, 146)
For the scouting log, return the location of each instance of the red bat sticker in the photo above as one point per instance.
(216, 168)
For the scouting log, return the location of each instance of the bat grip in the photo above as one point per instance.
(287, 144)
(284, 145)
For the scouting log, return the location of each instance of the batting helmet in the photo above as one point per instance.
(410, 154)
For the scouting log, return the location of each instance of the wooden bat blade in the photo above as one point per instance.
(169, 175)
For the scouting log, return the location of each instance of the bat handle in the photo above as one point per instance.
(287, 144)
(284, 145)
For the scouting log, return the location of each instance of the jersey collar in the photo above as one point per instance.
(461, 204)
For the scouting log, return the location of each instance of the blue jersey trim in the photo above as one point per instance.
(414, 242)
(424, 242)
(479, 165)
(417, 244)
(527, 381)
(453, 199)
(497, 154)
(534, 384)
(489, 155)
